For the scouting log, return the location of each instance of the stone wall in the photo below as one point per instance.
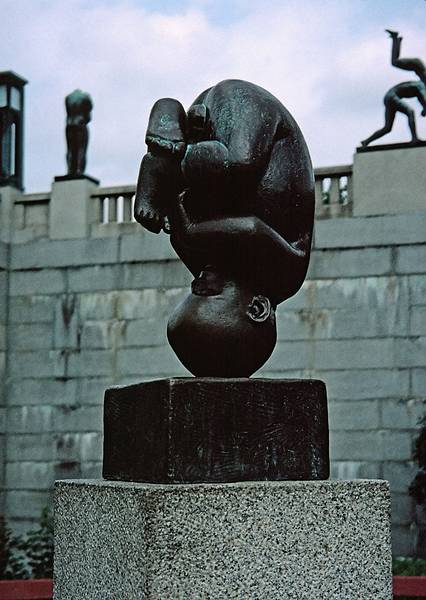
(91, 312)
(4, 255)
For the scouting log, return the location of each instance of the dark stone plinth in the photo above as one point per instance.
(216, 430)
(395, 146)
(74, 177)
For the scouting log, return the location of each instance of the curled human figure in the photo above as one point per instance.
(232, 181)
(394, 98)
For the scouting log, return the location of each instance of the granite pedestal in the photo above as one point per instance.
(298, 540)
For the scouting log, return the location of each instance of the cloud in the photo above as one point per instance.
(328, 62)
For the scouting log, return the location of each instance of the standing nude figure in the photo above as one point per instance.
(78, 105)
(393, 99)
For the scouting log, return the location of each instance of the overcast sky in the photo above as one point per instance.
(328, 61)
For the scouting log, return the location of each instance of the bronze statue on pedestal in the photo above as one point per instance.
(394, 98)
(78, 105)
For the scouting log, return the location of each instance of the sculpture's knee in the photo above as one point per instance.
(205, 163)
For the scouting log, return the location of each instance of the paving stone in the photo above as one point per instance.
(402, 413)
(410, 352)
(41, 363)
(411, 259)
(90, 363)
(91, 279)
(32, 309)
(27, 419)
(354, 415)
(64, 253)
(77, 418)
(38, 391)
(417, 289)
(419, 383)
(143, 332)
(144, 246)
(349, 263)
(399, 474)
(30, 336)
(418, 321)
(24, 504)
(370, 445)
(44, 281)
(373, 231)
(29, 475)
(4, 252)
(31, 446)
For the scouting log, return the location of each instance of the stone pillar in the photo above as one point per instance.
(389, 179)
(8, 195)
(266, 540)
(71, 209)
(4, 301)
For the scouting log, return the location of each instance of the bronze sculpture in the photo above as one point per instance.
(78, 105)
(232, 182)
(393, 99)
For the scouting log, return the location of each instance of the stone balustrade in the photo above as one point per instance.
(333, 192)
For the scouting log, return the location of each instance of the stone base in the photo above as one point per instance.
(389, 180)
(198, 430)
(71, 209)
(327, 540)
(76, 178)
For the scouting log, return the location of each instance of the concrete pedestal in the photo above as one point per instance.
(71, 207)
(389, 180)
(304, 540)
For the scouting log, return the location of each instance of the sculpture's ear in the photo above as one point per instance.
(259, 309)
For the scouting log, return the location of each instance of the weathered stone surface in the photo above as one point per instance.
(216, 430)
(357, 262)
(389, 230)
(64, 253)
(269, 541)
(389, 181)
(71, 208)
(48, 281)
(375, 445)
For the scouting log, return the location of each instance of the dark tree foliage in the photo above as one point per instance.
(38, 547)
(12, 563)
(418, 486)
(29, 556)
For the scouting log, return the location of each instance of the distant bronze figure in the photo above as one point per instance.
(78, 105)
(231, 180)
(393, 99)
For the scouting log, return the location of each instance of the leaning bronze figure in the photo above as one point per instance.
(394, 98)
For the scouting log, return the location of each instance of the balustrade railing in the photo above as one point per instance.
(115, 204)
(333, 191)
(333, 196)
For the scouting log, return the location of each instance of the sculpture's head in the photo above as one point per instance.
(222, 328)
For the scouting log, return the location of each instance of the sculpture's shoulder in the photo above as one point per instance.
(237, 92)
